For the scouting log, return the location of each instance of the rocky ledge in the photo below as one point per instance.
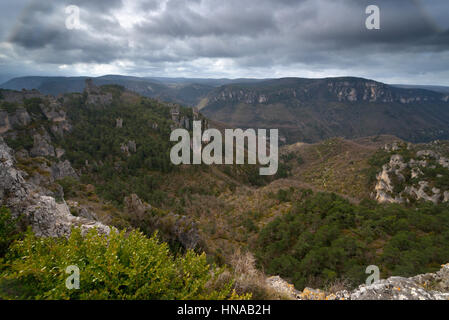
(429, 286)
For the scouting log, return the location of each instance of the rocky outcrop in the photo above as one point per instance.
(81, 211)
(94, 95)
(400, 180)
(18, 96)
(51, 219)
(340, 89)
(420, 192)
(46, 216)
(172, 227)
(4, 121)
(429, 286)
(20, 117)
(55, 113)
(129, 147)
(42, 146)
(384, 188)
(13, 189)
(59, 152)
(136, 206)
(283, 287)
(186, 231)
(62, 169)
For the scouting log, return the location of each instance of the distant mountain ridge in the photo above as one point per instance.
(302, 109)
(442, 89)
(311, 110)
(185, 91)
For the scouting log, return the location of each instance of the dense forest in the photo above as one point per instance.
(324, 238)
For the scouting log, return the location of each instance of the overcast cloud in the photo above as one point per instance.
(232, 38)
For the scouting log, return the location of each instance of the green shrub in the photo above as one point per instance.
(69, 185)
(8, 106)
(117, 266)
(8, 230)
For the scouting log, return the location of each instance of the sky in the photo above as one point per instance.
(227, 39)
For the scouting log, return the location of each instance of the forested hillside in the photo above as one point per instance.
(100, 160)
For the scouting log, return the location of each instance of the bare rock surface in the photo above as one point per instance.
(42, 146)
(401, 180)
(47, 217)
(429, 286)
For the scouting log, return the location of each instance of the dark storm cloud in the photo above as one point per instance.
(235, 36)
(182, 19)
(40, 33)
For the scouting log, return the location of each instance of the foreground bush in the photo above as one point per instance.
(118, 266)
(8, 230)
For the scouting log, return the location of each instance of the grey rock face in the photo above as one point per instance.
(136, 206)
(59, 152)
(85, 213)
(42, 146)
(397, 168)
(4, 121)
(384, 187)
(94, 95)
(19, 96)
(283, 287)
(13, 190)
(174, 226)
(420, 193)
(46, 217)
(132, 146)
(129, 147)
(22, 154)
(446, 196)
(63, 169)
(429, 286)
(51, 219)
(20, 117)
(186, 232)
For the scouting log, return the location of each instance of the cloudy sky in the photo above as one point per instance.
(227, 38)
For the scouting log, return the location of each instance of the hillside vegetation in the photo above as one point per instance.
(100, 160)
(324, 238)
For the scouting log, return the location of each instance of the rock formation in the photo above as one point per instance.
(95, 96)
(409, 177)
(42, 146)
(46, 216)
(429, 286)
